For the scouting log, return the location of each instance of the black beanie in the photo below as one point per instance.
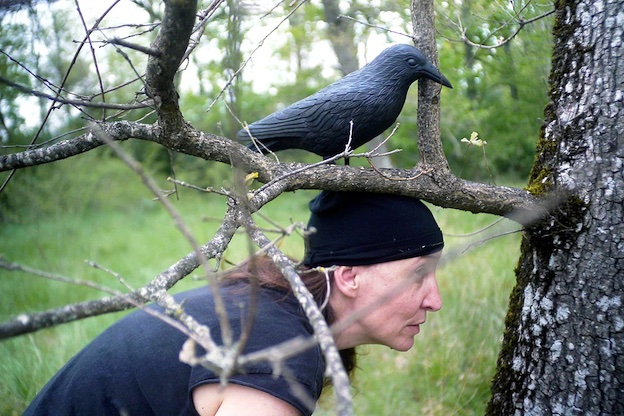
(360, 228)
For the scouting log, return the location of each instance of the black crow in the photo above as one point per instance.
(371, 97)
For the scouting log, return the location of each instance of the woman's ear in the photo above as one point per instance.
(345, 281)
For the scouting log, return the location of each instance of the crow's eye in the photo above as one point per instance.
(412, 62)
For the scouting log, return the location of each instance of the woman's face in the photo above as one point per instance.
(398, 295)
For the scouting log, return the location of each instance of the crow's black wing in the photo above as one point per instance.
(320, 123)
(299, 124)
(280, 130)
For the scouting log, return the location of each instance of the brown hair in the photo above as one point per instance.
(265, 273)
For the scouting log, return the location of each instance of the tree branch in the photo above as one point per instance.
(77, 103)
(120, 130)
(429, 143)
(521, 22)
(434, 185)
(182, 227)
(134, 46)
(437, 185)
(26, 323)
(170, 44)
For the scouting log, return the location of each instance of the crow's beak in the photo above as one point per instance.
(432, 73)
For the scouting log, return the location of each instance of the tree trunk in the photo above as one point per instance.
(563, 350)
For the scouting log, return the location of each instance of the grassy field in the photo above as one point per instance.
(448, 372)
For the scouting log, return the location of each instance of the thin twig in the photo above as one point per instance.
(7, 265)
(129, 61)
(208, 189)
(94, 57)
(11, 266)
(144, 49)
(327, 161)
(78, 103)
(258, 46)
(204, 17)
(479, 231)
(116, 275)
(519, 21)
(323, 334)
(180, 224)
(385, 29)
(372, 154)
(492, 237)
(57, 93)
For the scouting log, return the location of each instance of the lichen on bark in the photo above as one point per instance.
(564, 340)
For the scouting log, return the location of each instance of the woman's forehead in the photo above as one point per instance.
(430, 260)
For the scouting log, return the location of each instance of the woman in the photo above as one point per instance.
(382, 250)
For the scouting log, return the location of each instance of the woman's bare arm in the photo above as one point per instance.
(236, 400)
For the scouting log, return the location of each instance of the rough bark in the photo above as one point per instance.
(563, 350)
(429, 143)
(171, 41)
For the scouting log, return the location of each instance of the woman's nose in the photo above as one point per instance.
(433, 301)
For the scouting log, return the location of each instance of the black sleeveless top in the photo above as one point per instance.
(133, 369)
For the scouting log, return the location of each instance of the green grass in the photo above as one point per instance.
(447, 372)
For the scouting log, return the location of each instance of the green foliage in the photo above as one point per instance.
(11, 120)
(500, 93)
(55, 216)
(73, 187)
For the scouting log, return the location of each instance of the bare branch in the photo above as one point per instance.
(198, 188)
(204, 17)
(258, 46)
(519, 21)
(94, 57)
(382, 28)
(171, 42)
(66, 77)
(328, 161)
(11, 266)
(177, 317)
(186, 232)
(77, 103)
(429, 143)
(121, 130)
(437, 186)
(134, 46)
